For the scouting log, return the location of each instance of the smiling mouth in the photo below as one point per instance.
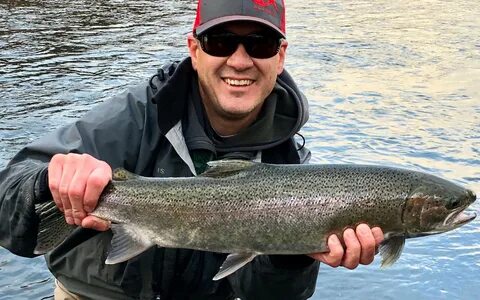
(237, 82)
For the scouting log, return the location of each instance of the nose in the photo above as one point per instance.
(240, 60)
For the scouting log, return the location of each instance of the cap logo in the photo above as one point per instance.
(264, 5)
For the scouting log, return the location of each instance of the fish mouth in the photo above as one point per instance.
(459, 217)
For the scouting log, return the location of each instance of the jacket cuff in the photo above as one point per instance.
(42, 190)
(291, 261)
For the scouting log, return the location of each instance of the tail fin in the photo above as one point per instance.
(52, 229)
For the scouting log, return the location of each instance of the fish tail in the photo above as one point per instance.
(52, 229)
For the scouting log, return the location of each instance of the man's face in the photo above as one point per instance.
(235, 87)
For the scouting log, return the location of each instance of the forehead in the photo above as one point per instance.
(243, 27)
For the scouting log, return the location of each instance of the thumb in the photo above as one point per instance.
(95, 223)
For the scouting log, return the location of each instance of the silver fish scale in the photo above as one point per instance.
(265, 208)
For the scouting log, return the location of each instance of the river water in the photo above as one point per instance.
(389, 82)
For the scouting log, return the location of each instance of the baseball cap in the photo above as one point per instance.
(211, 13)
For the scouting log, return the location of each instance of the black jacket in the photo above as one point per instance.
(143, 130)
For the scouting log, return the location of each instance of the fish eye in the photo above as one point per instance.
(455, 203)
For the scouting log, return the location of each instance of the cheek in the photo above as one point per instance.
(413, 212)
(273, 72)
(424, 214)
(433, 216)
(271, 80)
(201, 62)
(209, 69)
(205, 79)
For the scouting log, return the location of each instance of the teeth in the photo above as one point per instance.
(233, 82)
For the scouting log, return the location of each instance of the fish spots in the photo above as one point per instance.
(267, 208)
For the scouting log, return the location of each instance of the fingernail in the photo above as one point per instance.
(70, 220)
(88, 209)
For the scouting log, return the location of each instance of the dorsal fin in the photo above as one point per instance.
(120, 174)
(226, 167)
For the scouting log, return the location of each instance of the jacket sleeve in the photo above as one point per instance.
(109, 132)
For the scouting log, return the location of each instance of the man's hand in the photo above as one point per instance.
(76, 182)
(360, 247)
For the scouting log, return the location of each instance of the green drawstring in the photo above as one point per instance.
(200, 159)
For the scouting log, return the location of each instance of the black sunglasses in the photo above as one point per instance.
(223, 44)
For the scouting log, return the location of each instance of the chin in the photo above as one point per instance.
(236, 112)
(237, 106)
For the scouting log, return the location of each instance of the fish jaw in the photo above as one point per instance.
(459, 218)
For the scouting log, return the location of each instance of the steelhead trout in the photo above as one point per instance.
(248, 209)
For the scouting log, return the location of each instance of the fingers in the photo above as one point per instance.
(76, 182)
(378, 235)
(334, 257)
(360, 247)
(367, 242)
(96, 182)
(55, 169)
(76, 193)
(353, 249)
(68, 171)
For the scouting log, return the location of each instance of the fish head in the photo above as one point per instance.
(436, 206)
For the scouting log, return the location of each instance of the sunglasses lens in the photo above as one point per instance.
(259, 46)
(225, 44)
(220, 45)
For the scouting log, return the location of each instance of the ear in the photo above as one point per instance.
(193, 48)
(281, 56)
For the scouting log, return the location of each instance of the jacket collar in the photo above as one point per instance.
(171, 98)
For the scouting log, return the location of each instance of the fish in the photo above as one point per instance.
(246, 209)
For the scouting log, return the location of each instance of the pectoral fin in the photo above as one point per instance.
(234, 262)
(127, 242)
(391, 249)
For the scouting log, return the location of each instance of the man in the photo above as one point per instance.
(230, 99)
